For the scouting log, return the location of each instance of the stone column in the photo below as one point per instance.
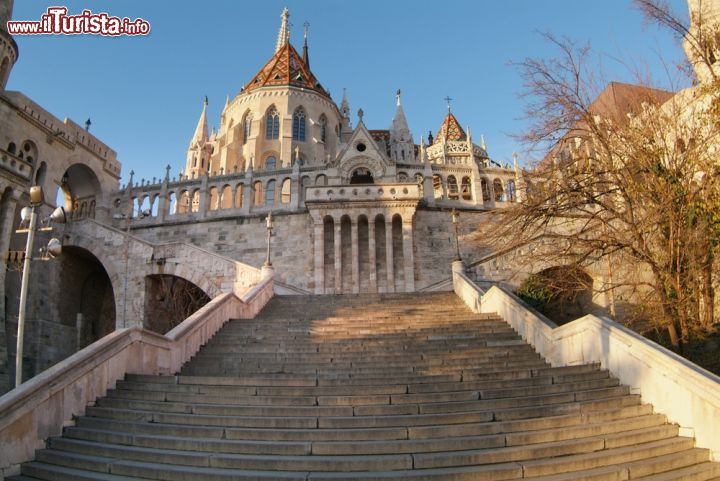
(247, 195)
(319, 256)
(204, 200)
(354, 252)
(389, 257)
(408, 258)
(372, 255)
(338, 258)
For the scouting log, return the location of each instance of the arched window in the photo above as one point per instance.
(12, 148)
(298, 132)
(272, 123)
(321, 180)
(247, 127)
(437, 187)
(270, 193)
(323, 128)
(270, 163)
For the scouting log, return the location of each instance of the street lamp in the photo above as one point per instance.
(455, 215)
(269, 225)
(53, 249)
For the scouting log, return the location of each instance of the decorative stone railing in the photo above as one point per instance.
(687, 394)
(362, 193)
(41, 407)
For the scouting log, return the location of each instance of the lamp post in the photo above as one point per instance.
(54, 248)
(455, 215)
(269, 225)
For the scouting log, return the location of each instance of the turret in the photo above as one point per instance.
(199, 150)
(8, 47)
(402, 147)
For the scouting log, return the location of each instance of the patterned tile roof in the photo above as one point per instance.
(450, 130)
(286, 67)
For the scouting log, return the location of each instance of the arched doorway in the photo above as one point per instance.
(169, 300)
(85, 297)
(361, 175)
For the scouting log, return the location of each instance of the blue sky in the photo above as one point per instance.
(144, 94)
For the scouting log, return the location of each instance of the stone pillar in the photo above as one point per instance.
(204, 201)
(408, 258)
(371, 255)
(338, 258)
(389, 257)
(247, 194)
(355, 257)
(319, 256)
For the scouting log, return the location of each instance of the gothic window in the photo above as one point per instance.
(298, 131)
(258, 188)
(270, 193)
(270, 163)
(272, 123)
(437, 187)
(247, 127)
(323, 128)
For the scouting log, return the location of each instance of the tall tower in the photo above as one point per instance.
(200, 149)
(704, 51)
(8, 47)
(402, 147)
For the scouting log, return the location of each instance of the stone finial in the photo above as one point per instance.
(167, 172)
(360, 115)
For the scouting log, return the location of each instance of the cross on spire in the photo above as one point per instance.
(448, 100)
(306, 26)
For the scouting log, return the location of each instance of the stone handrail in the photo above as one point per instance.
(41, 407)
(687, 394)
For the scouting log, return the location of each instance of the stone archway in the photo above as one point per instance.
(169, 300)
(84, 297)
(79, 184)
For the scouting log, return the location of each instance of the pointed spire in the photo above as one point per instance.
(201, 131)
(345, 105)
(482, 142)
(305, 55)
(227, 101)
(284, 33)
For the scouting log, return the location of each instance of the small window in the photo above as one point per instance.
(270, 163)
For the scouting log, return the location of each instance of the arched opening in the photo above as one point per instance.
(329, 253)
(285, 193)
(270, 193)
(381, 254)
(452, 184)
(321, 180)
(485, 189)
(172, 203)
(183, 206)
(437, 187)
(195, 205)
(363, 253)
(84, 296)
(40, 174)
(214, 198)
(398, 259)
(270, 163)
(239, 195)
(498, 189)
(346, 254)
(259, 195)
(466, 188)
(169, 300)
(511, 191)
(78, 183)
(562, 293)
(226, 198)
(361, 175)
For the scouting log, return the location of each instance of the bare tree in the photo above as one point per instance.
(632, 180)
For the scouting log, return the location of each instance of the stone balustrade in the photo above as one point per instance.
(41, 407)
(363, 193)
(687, 394)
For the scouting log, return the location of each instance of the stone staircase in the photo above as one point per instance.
(371, 387)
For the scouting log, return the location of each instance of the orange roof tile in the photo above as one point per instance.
(286, 67)
(450, 130)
